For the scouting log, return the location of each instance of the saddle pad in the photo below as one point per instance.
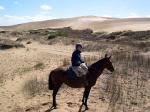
(71, 74)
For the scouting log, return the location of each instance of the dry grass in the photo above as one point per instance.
(39, 65)
(95, 46)
(127, 88)
(90, 59)
(2, 79)
(66, 62)
(23, 70)
(35, 87)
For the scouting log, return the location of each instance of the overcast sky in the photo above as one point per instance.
(21, 11)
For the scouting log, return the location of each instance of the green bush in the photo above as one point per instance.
(99, 33)
(53, 35)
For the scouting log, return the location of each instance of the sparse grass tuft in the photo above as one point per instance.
(66, 62)
(27, 69)
(34, 87)
(90, 59)
(39, 65)
(100, 33)
(95, 46)
(2, 79)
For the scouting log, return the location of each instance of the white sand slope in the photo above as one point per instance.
(92, 22)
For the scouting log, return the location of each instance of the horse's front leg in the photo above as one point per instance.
(54, 95)
(85, 97)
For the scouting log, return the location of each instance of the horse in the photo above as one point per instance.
(58, 76)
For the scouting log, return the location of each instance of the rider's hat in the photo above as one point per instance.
(78, 45)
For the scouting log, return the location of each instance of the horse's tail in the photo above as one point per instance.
(50, 83)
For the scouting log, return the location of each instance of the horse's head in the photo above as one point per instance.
(108, 64)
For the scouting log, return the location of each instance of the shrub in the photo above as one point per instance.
(53, 35)
(34, 87)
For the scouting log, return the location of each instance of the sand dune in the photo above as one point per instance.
(84, 22)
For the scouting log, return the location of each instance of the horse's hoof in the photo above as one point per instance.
(55, 107)
(86, 108)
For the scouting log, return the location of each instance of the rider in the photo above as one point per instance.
(78, 65)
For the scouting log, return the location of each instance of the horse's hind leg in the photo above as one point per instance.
(56, 88)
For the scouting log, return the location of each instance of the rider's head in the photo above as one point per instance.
(79, 47)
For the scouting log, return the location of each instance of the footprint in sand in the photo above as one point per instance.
(46, 103)
(8, 107)
(70, 104)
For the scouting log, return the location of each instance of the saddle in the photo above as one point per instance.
(71, 74)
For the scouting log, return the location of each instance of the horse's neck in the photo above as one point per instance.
(97, 68)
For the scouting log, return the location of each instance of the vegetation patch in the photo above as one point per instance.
(66, 62)
(39, 65)
(127, 86)
(2, 79)
(34, 87)
(53, 35)
(7, 44)
(90, 59)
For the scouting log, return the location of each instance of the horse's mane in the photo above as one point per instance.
(96, 63)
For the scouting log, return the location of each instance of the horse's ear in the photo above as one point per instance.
(106, 55)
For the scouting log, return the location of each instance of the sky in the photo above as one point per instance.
(22, 11)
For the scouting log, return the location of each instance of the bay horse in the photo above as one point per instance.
(58, 76)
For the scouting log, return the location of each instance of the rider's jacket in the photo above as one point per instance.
(76, 58)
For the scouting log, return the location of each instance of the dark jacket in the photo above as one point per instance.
(76, 58)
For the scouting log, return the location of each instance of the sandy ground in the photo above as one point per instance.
(15, 67)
